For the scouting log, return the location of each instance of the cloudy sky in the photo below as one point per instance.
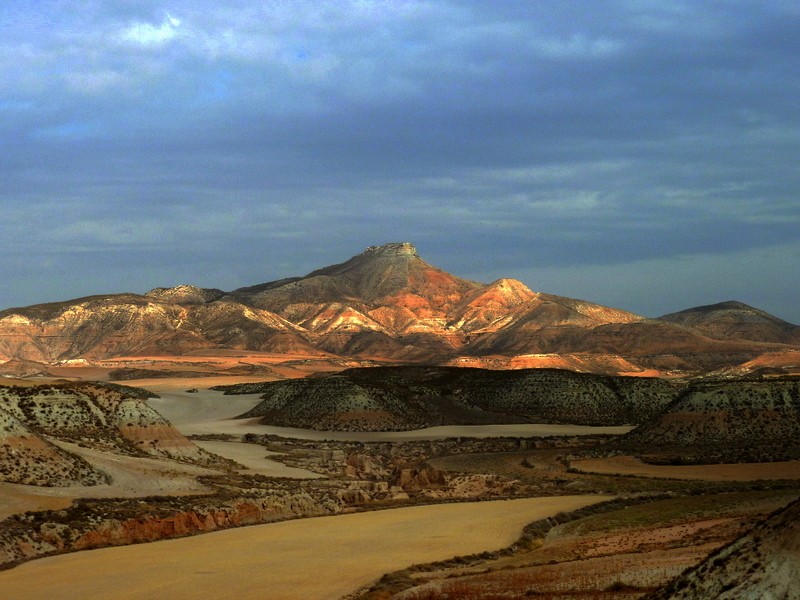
(638, 154)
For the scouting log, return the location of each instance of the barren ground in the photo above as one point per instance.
(617, 555)
(131, 476)
(329, 557)
(255, 459)
(628, 465)
(309, 558)
(207, 412)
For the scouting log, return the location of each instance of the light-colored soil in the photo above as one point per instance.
(139, 476)
(629, 465)
(130, 477)
(429, 433)
(17, 498)
(254, 458)
(190, 411)
(309, 558)
(243, 426)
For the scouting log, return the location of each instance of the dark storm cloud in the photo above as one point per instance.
(228, 145)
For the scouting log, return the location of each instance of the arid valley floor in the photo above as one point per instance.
(462, 511)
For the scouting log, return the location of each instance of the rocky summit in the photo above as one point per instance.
(387, 304)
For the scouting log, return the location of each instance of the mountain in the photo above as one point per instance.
(129, 324)
(386, 300)
(764, 563)
(388, 304)
(412, 397)
(732, 319)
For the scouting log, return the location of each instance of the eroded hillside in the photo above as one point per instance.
(763, 563)
(731, 421)
(39, 423)
(399, 398)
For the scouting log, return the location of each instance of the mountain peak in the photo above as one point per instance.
(185, 294)
(730, 309)
(392, 249)
(733, 319)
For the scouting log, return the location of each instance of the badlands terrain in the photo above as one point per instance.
(577, 512)
(377, 424)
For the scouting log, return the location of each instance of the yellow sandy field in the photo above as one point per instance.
(319, 558)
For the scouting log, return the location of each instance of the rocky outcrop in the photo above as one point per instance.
(93, 524)
(417, 478)
(185, 294)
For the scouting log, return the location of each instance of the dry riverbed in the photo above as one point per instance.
(255, 459)
(316, 558)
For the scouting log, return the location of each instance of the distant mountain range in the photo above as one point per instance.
(387, 304)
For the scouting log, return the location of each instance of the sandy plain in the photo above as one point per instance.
(310, 558)
(255, 459)
(318, 558)
(629, 465)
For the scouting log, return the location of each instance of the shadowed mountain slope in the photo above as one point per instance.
(731, 421)
(402, 398)
(735, 320)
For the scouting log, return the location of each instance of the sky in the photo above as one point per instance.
(637, 154)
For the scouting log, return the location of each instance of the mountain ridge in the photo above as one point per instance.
(387, 303)
(724, 319)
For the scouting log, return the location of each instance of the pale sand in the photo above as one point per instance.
(131, 477)
(190, 410)
(628, 465)
(209, 412)
(254, 458)
(306, 559)
(243, 426)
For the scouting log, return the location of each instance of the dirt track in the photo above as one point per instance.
(309, 558)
